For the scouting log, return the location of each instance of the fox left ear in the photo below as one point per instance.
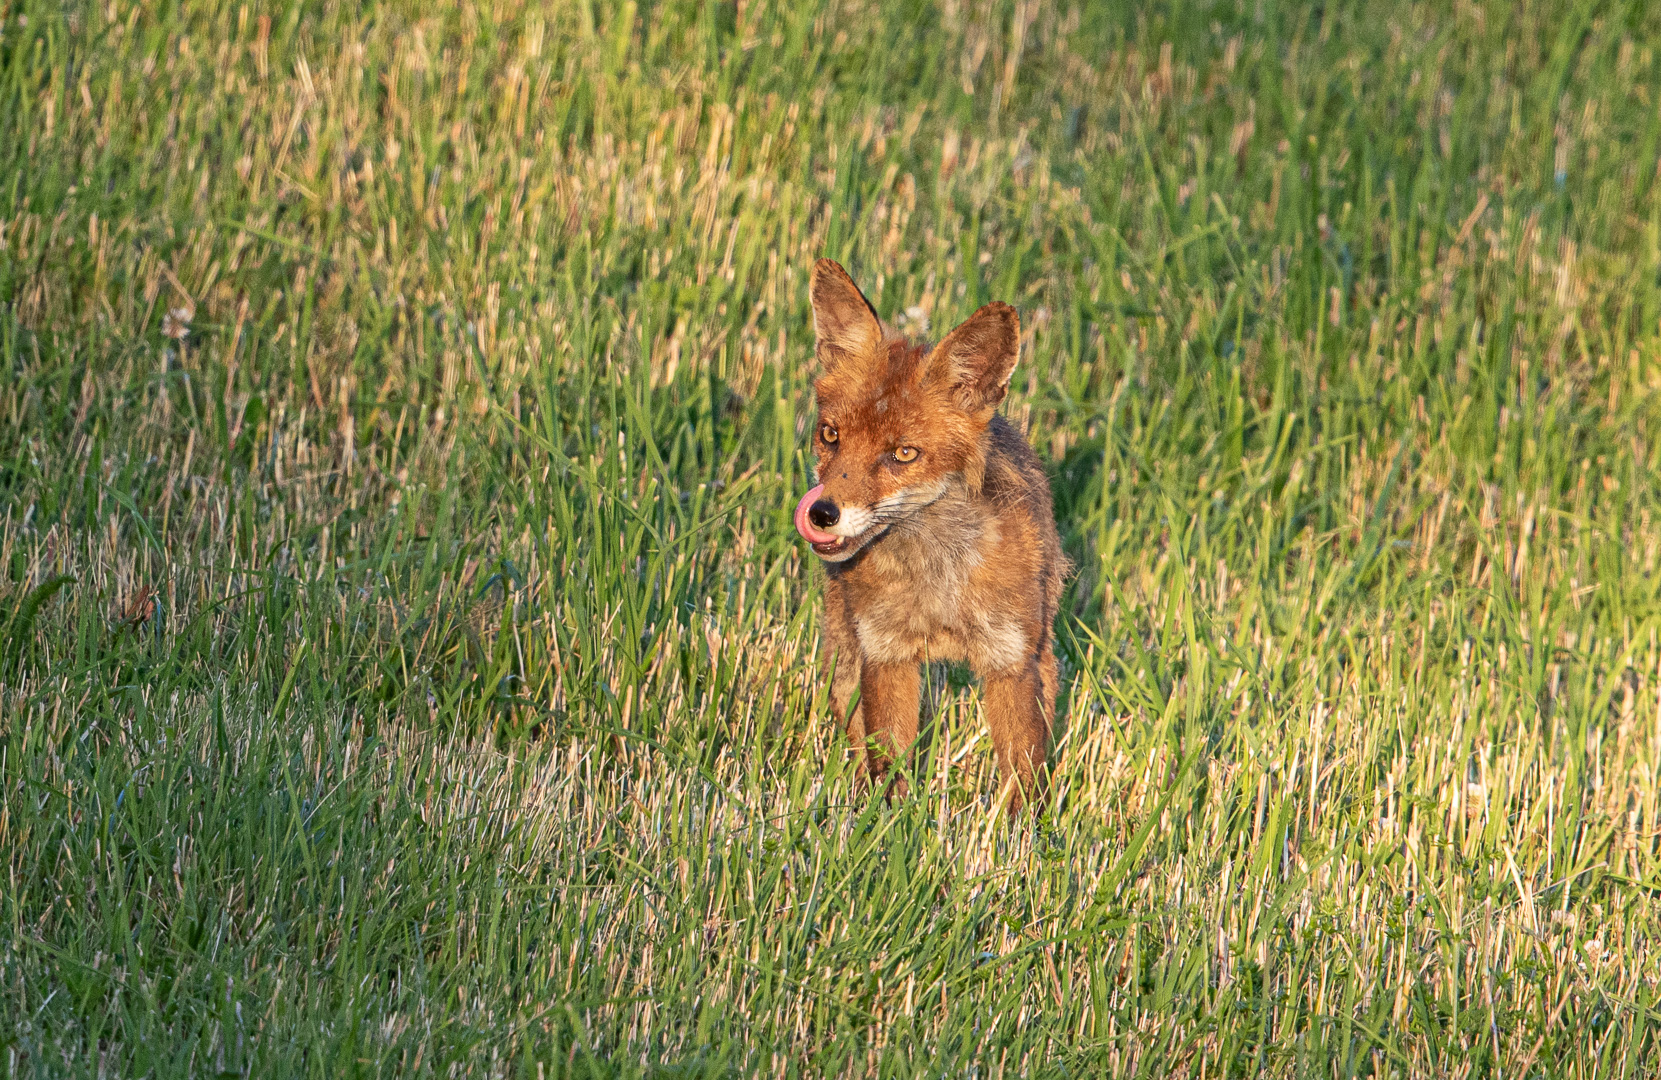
(844, 323)
(978, 357)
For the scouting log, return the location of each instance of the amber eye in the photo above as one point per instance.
(905, 454)
(827, 432)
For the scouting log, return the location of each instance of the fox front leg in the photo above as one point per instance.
(1020, 706)
(889, 695)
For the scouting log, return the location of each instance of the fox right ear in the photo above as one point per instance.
(844, 322)
(978, 358)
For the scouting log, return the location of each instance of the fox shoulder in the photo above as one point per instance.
(1013, 470)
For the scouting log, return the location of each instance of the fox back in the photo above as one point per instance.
(933, 519)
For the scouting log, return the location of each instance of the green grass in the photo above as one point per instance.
(410, 669)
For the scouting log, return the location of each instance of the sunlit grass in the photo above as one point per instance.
(406, 660)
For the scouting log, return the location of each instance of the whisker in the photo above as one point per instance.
(893, 516)
(896, 511)
(894, 502)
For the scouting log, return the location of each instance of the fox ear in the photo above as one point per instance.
(978, 357)
(843, 320)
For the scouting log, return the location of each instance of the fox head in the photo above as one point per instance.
(899, 422)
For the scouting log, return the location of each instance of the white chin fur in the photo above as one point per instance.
(841, 554)
(853, 522)
(844, 548)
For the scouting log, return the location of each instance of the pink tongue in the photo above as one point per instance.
(805, 527)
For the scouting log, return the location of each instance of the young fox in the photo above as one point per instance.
(933, 519)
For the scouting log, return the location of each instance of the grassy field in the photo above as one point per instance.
(406, 659)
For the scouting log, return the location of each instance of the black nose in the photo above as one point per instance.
(823, 514)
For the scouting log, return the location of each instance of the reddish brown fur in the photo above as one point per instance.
(962, 560)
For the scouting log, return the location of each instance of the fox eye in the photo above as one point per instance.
(827, 432)
(905, 454)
